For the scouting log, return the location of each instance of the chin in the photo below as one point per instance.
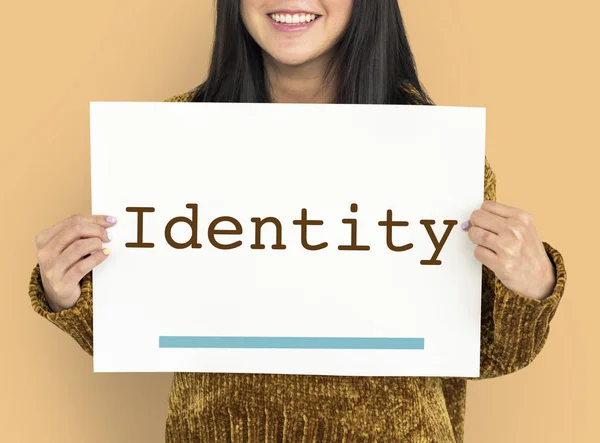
(292, 61)
(292, 58)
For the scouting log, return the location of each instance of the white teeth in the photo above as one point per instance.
(295, 19)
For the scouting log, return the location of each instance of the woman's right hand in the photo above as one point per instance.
(66, 252)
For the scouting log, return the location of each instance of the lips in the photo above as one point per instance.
(293, 18)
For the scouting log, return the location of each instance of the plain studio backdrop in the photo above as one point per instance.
(531, 64)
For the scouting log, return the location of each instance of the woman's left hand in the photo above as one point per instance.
(508, 243)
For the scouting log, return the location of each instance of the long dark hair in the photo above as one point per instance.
(372, 60)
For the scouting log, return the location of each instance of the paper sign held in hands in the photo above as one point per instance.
(272, 238)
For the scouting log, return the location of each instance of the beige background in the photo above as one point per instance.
(533, 64)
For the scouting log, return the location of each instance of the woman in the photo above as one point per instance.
(330, 51)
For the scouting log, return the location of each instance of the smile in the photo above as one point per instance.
(291, 21)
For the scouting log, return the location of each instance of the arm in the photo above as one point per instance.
(76, 321)
(514, 328)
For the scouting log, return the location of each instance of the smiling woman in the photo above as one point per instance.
(322, 51)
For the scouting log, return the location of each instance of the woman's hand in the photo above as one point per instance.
(508, 243)
(66, 252)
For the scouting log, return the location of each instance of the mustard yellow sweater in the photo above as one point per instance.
(268, 408)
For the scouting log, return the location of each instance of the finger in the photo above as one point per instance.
(488, 221)
(487, 257)
(484, 238)
(83, 266)
(499, 208)
(74, 231)
(75, 252)
(44, 237)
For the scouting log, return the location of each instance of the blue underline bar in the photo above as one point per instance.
(178, 341)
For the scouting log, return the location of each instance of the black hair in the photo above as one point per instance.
(372, 61)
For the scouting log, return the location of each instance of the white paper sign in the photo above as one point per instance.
(343, 292)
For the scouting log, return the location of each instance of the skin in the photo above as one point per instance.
(508, 243)
(506, 238)
(66, 252)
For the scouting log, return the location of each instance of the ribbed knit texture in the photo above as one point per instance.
(270, 408)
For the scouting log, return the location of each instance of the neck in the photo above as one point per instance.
(298, 84)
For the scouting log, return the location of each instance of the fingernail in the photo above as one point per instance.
(111, 219)
(106, 251)
(466, 224)
(110, 237)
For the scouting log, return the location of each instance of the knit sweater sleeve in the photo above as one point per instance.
(514, 328)
(76, 321)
